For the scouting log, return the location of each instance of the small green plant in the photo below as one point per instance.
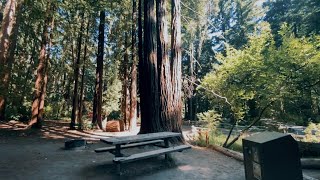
(217, 138)
(211, 118)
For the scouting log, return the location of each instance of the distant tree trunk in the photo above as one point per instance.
(83, 76)
(7, 48)
(125, 88)
(97, 105)
(75, 104)
(141, 61)
(36, 120)
(195, 97)
(165, 84)
(176, 66)
(190, 98)
(150, 79)
(133, 85)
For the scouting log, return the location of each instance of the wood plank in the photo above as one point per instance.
(111, 148)
(139, 138)
(150, 154)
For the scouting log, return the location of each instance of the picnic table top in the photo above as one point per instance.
(139, 138)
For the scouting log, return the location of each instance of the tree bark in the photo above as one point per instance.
(133, 85)
(141, 61)
(125, 105)
(75, 104)
(83, 76)
(8, 38)
(46, 70)
(150, 79)
(176, 66)
(190, 98)
(36, 118)
(165, 84)
(97, 105)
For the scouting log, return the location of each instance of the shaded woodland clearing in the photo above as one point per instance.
(42, 149)
(230, 61)
(39, 154)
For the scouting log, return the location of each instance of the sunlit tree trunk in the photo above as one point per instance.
(75, 104)
(8, 38)
(46, 70)
(133, 85)
(36, 118)
(176, 66)
(97, 105)
(165, 84)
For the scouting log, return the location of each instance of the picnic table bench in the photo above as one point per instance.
(119, 143)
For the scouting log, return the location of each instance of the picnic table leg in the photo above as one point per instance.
(118, 169)
(166, 144)
(117, 151)
(118, 154)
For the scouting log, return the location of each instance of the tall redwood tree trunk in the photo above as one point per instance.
(97, 104)
(150, 80)
(81, 99)
(176, 65)
(165, 84)
(36, 118)
(133, 85)
(75, 105)
(125, 104)
(7, 48)
(141, 61)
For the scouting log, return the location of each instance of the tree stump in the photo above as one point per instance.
(115, 126)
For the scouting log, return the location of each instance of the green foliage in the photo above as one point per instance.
(211, 117)
(217, 138)
(302, 16)
(260, 73)
(111, 97)
(312, 133)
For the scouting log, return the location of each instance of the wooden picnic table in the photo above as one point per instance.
(124, 142)
(147, 138)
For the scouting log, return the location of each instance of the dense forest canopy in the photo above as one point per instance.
(86, 61)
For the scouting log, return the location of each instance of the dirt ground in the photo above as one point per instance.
(39, 154)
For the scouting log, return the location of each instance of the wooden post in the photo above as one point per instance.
(166, 144)
(118, 153)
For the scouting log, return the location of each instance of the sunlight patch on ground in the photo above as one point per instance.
(185, 168)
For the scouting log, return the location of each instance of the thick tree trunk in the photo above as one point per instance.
(7, 48)
(46, 70)
(97, 105)
(165, 84)
(176, 66)
(150, 79)
(133, 85)
(75, 104)
(36, 118)
(83, 76)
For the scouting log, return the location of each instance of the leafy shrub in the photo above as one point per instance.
(312, 133)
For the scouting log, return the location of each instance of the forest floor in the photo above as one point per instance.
(39, 154)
